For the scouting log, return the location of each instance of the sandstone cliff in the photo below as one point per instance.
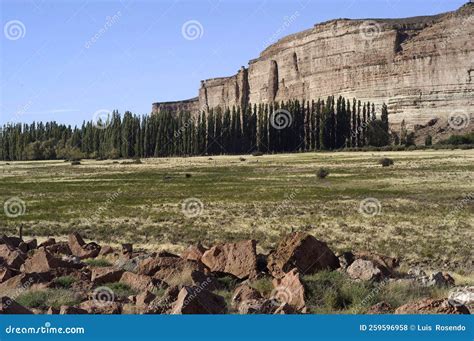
(422, 67)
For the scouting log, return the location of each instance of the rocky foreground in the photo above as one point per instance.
(166, 283)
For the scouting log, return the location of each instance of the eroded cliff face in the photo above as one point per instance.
(422, 67)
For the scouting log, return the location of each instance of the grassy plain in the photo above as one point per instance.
(425, 213)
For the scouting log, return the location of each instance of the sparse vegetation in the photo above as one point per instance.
(97, 262)
(120, 290)
(46, 298)
(261, 200)
(322, 173)
(64, 281)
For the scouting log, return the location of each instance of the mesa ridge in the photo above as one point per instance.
(422, 67)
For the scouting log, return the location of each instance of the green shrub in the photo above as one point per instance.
(64, 281)
(263, 285)
(459, 139)
(330, 291)
(121, 290)
(97, 262)
(322, 173)
(47, 298)
(386, 162)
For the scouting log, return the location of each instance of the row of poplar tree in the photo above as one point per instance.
(292, 126)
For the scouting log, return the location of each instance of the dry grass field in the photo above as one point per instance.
(419, 209)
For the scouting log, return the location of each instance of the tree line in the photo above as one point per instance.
(292, 126)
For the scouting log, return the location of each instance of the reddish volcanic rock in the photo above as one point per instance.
(432, 306)
(238, 259)
(302, 251)
(289, 290)
(194, 300)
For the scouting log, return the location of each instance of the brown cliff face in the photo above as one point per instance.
(422, 67)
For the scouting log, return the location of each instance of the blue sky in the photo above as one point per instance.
(66, 60)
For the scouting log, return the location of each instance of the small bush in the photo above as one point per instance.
(121, 290)
(263, 285)
(47, 298)
(257, 153)
(97, 262)
(322, 173)
(64, 281)
(75, 163)
(386, 162)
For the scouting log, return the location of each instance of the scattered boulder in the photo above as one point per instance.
(245, 293)
(238, 259)
(386, 264)
(432, 306)
(462, 296)
(127, 250)
(380, 308)
(10, 306)
(346, 259)
(26, 281)
(52, 311)
(80, 249)
(285, 309)
(364, 270)
(144, 298)
(195, 300)
(5, 273)
(106, 250)
(290, 290)
(95, 307)
(194, 252)
(138, 282)
(48, 242)
(43, 261)
(439, 279)
(302, 251)
(68, 310)
(11, 257)
(60, 248)
(105, 275)
(259, 306)
(32, 244)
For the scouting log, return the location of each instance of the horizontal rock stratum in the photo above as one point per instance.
(422, 67)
